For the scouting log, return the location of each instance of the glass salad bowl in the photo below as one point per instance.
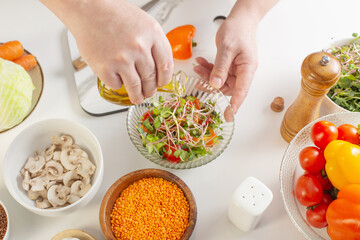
(200, 89)
(291, 170)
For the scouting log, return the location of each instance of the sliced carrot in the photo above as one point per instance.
(11, 50)
(26, 61)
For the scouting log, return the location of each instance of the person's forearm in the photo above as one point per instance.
(253, 10)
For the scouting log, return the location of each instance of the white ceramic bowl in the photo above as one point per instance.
(291, 170)
(7, 234)
(38, 137)
(329, 106)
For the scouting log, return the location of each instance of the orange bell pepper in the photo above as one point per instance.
(180, 39)
(209, 140)
(343, 214)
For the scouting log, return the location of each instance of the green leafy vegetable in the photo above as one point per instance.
(346, 92)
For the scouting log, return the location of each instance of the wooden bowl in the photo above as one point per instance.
(121, 184)
(73, 233)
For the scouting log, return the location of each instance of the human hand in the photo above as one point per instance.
(236, 60)
(121, 43)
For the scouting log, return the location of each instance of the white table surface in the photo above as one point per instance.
(290, 31)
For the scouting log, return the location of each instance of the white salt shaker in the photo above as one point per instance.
(248, 203)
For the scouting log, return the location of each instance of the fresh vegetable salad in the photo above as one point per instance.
(346, 92)
(180, 129)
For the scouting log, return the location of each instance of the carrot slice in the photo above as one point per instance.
(11, 50)
(26, 61)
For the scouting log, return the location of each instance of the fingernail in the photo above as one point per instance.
(216, 82)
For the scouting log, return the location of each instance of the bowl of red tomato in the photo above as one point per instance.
(187, 127)
(320, 178)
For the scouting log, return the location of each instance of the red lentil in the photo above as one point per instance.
(151, 208)
(3, 222)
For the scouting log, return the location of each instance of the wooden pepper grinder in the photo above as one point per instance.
(320, 71)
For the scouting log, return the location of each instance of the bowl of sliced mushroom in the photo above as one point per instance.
(54, 167)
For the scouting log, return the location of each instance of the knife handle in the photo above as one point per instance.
(79, 63)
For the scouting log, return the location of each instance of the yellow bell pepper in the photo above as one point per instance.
(342, 163)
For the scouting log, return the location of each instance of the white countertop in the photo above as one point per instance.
(291, 30)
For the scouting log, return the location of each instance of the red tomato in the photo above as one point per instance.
(171, 157)
(325, 182)
(308, 190)
(312, 159)
(322, 133)
(349, 133)
(147, 115)
(317, 216)
(327, 199)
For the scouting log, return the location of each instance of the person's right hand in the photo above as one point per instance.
(121, 43)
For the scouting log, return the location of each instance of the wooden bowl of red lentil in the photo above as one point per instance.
(148, 204)
(4, 223)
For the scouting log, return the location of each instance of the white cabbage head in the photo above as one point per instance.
(16, 89)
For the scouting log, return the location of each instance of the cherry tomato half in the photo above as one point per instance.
(308, 190)
(171, 157)
(322, 133)
(312, 159)
(349, 133)
(147, 115)
(317, 216)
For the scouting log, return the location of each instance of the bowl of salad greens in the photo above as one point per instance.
(184, 128)
(345, 94)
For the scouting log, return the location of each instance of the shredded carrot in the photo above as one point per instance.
(26, 61)
(11, 50)
(151, 208)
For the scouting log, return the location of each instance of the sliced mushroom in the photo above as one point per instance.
(57, 155)
(85, 168)
(34, 164)
(67, 159)
(22, 172)
(86, 181)
(53, 170)
(60, 179)
(33, 195)
(70, 177)
(48, 153)
(79, 189)
(51, 183)
(57, 195)
(67, 140)
(42, 203)
(26, 181)
(77, 154)
(72, 198)
(78, 151)
(37, 174)
(38, 183)
(63, 140)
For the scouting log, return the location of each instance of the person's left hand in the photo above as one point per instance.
(236, 60)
